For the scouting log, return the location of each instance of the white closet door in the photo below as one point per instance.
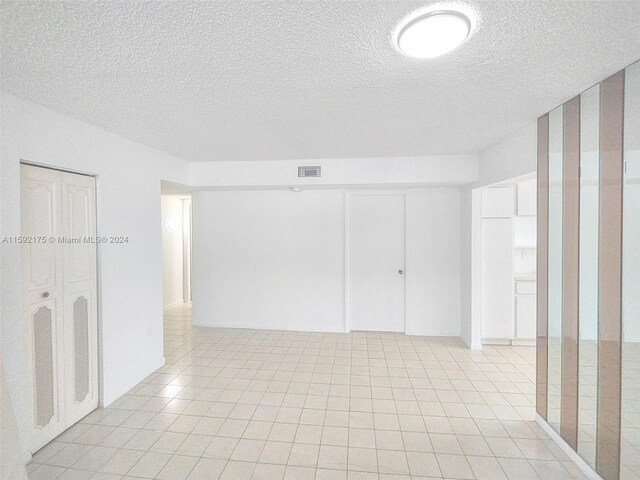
(42, 277)
(61, 299)
(79, 287)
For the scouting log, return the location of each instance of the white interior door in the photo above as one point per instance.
(376, 285)
(42, 281)
(79, 290)
(61, 298)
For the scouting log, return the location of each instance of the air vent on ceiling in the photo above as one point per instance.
(308, 171)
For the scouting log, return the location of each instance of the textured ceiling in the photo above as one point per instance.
(214, 80)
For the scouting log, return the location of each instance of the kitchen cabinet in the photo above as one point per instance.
(525, 310)
(524, 232)
(527, 197)
(497, 279)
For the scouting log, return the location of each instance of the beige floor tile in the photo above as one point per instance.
(207, 469)
(177, 468)
(474, 445)
(362, 437)
(194, 445)
(122, 461)
(332, 457)
(304, 455)
(242, 404)
(143, 440)
(221, 447)
(338, 436)
(73, 474)
(276, 452)
(149, 465)
(417, 442)
(235, 470)
(362, 459)
(454, 466)
(68, 455)
(257, 430)
(389, 440)
(486, 468)
(248, 450)
(324, 474)
(423, 464)
(392, 461)
(46, 472)
(168, 442)
(308, 434)
(268, 472)
(95, 458)
(518, 469)
(299, 473)
(504, 447)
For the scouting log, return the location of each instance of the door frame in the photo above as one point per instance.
(347, 254)
(99, 317)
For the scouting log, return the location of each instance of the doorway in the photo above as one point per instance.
(60, 292)
(375, 253)
(176, 250)
(504, 263)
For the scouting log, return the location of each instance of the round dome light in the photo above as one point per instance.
(434, 34)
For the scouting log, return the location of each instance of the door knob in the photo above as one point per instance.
(400, 272)
(45, 295)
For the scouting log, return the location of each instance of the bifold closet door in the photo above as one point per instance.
(59, 280)
(79, 293)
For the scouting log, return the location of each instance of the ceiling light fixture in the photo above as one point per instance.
(433, 33)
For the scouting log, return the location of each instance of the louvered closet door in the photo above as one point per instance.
(60, 296)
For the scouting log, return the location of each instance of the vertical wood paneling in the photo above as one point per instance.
(570, 266)
(610, 277)
(542, 259)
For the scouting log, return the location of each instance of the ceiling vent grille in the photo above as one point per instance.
(308, 172)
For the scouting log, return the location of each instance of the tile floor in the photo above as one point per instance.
(261, 404)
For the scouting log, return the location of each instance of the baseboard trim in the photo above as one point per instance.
(496, 341)
(514, 342)
(263, 327)
(518, 342)
(566, 448)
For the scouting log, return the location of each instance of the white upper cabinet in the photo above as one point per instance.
(527, 197)
(524, 232)
(498, 202)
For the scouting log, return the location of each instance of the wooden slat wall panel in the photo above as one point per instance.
(610, 277)
(570, 270)
(542, 259)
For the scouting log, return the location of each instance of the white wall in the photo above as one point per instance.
(275, 259)
(172, 251)
(631, 208)
(130, 275)
(12, 457)
(407, 171)
(466, 258)
(514, 156)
